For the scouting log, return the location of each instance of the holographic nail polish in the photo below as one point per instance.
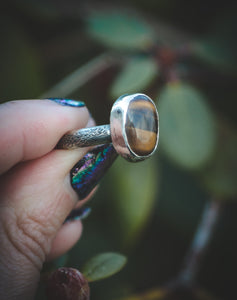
(78, 214)
(68, 102)
(86, 174)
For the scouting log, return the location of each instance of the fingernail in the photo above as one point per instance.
(78, 214)
(86, 174)
(68, 102)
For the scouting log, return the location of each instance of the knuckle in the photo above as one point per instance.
(29, 235)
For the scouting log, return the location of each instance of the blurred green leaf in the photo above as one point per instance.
(103, 265)
(219, 46)
(136, 75)
(134, 197)
(215, 53)
(220, 176)
(187, 126)
(120, 30)
(20, 73)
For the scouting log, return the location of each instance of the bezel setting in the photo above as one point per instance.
(118, 118)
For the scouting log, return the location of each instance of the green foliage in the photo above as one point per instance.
(103, 265)
(218, 47)
(58, 42)
(215, 53)
(220, 175)
(119, 30)
(187, 125)
(20, 72)
(135, 76)
(134, 197)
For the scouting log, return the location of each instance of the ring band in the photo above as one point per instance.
(86, 137)
(133, 129)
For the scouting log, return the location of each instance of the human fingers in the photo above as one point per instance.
(66, 237)
(31, 128)
(36, 197)
(71, 230)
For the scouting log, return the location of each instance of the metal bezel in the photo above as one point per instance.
(117, 127)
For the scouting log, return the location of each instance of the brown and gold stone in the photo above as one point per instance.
(141, 126)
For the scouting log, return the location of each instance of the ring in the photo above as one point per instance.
(133, 129)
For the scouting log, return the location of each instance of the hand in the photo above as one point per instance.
(35, 191)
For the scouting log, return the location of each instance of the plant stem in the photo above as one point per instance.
(82, 75)
(200, 242)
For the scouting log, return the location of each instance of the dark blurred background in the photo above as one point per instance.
(184, 53)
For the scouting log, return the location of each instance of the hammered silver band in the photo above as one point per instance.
(85, 137)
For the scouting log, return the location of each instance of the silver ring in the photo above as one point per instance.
(133, 129)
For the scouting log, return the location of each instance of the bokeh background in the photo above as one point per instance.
(182, 54)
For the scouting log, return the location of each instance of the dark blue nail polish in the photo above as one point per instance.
(86, 174)
(68, 102)
(78, 214)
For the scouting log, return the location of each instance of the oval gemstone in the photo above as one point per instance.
(141, 126)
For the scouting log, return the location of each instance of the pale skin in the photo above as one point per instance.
(35, 191)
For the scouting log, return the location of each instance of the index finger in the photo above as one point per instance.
(31, 128)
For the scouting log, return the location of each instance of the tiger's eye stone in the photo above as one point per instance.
(141, 126)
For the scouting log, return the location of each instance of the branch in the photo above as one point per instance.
(82, 75)
(200, 242)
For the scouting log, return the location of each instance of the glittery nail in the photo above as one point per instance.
(68, 102)
(86, 174)
(78, 214)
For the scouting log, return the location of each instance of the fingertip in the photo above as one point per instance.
(65, 239)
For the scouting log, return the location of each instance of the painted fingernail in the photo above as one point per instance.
(68, 102)
(78, 214)
(86, 174)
